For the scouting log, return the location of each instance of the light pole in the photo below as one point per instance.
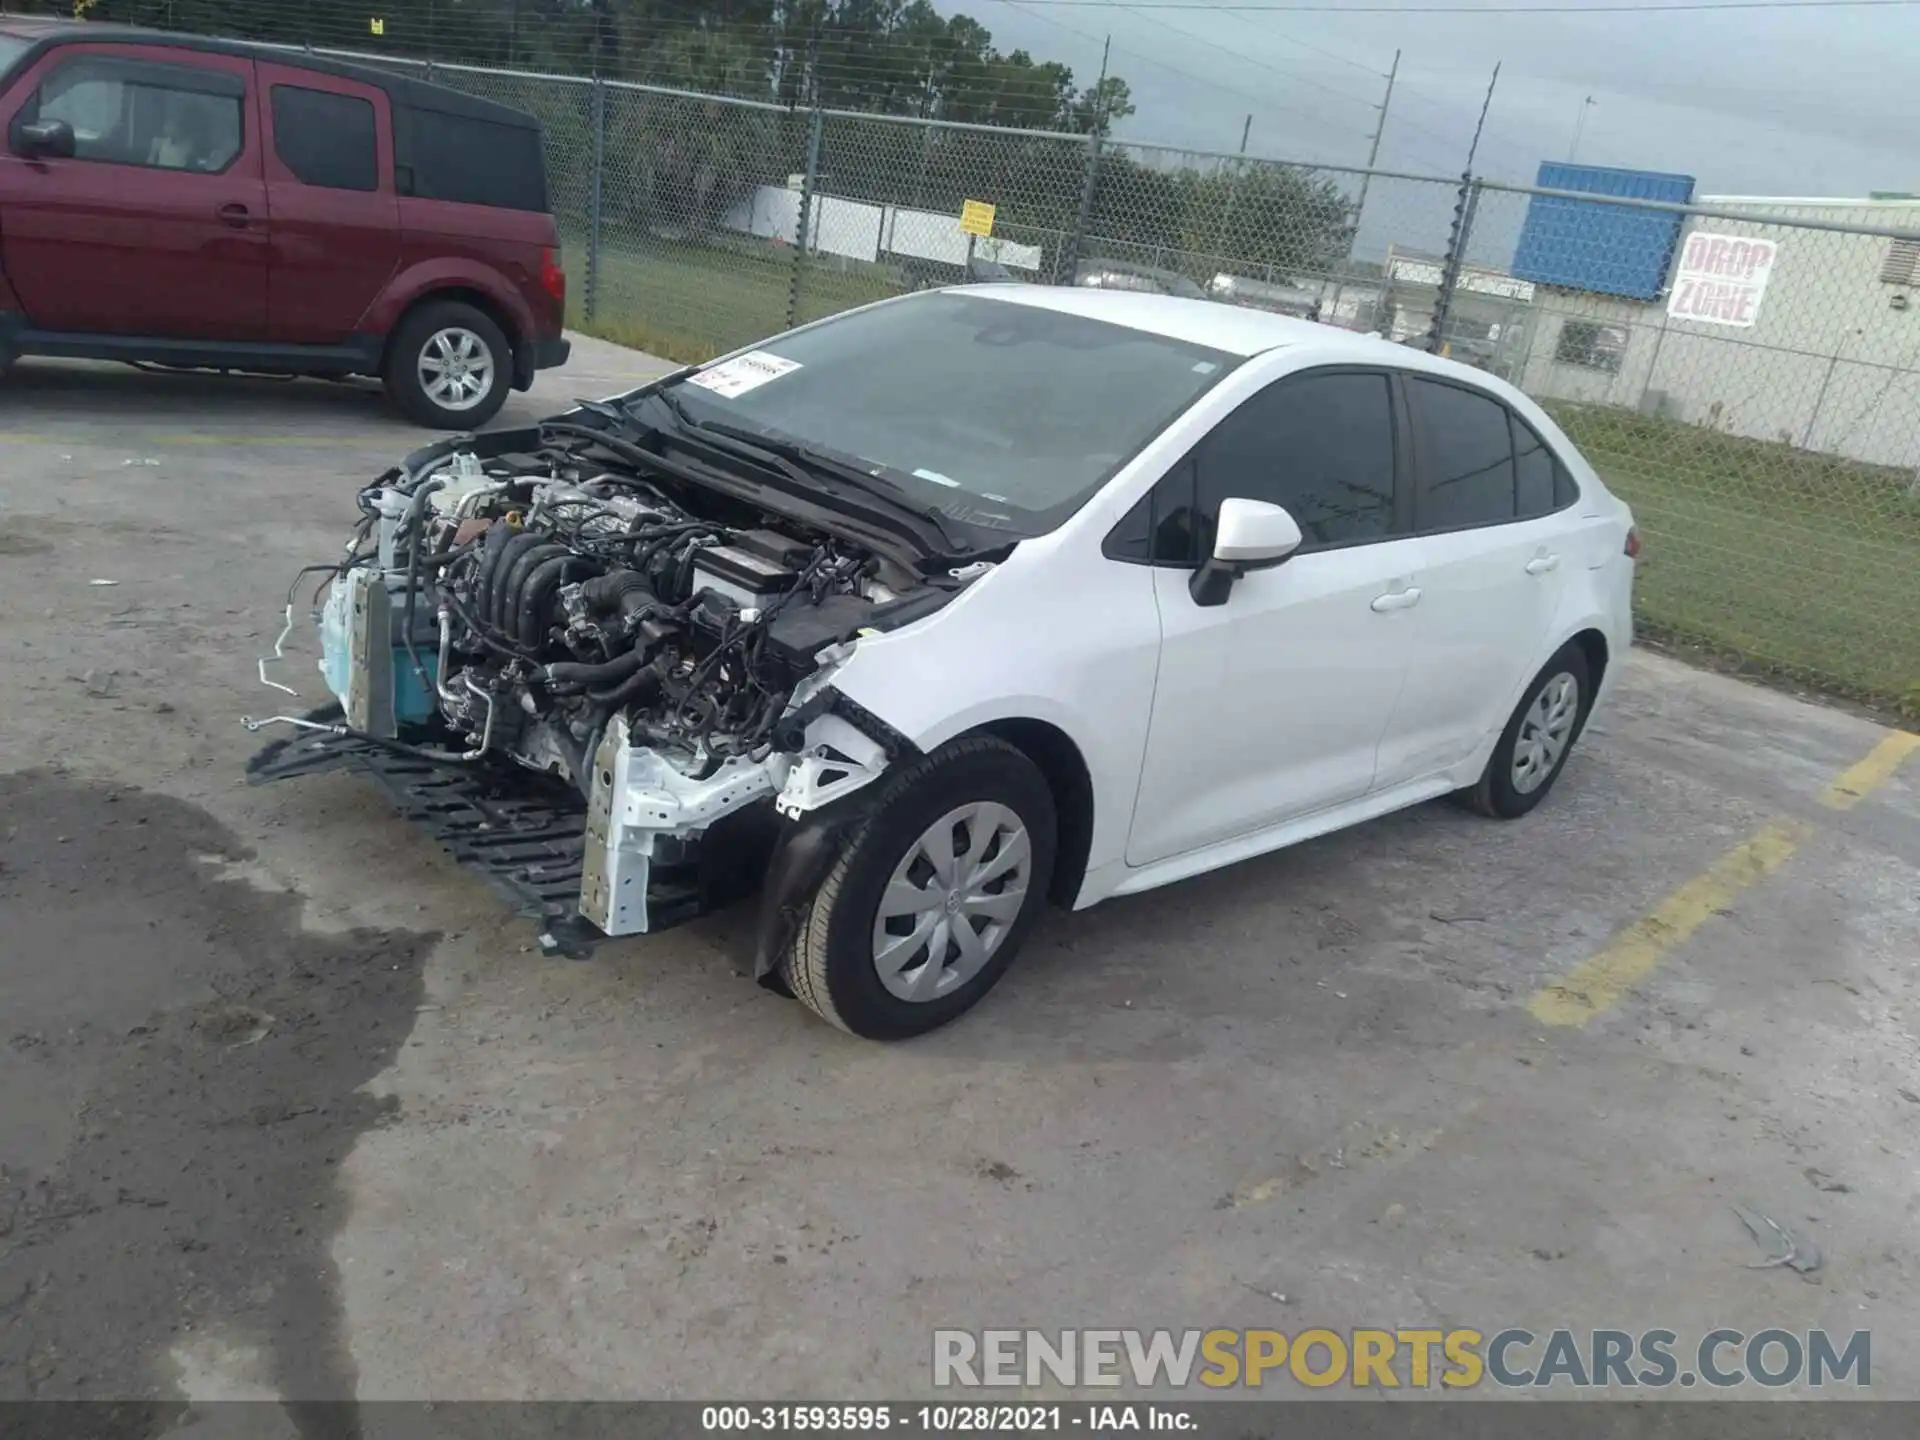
(1579, 126)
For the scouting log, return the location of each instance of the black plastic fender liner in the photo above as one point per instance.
(807, 847)
(805, 851)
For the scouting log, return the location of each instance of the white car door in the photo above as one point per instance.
(1487, 501)
(1272, 704)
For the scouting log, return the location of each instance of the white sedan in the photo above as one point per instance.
(939, 609)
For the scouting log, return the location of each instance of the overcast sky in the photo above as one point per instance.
(1750, 102)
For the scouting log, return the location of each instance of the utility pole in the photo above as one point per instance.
(1373, 151)
(1233, 186)
(1485, 105)
(1579, 128)
(1100, 88)
(1068, 261)
(1366, 179)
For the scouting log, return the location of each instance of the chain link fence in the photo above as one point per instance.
(1746, 375)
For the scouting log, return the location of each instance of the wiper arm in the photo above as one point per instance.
(602, 409)
(724, 440)
(804, 464)
(875, 485)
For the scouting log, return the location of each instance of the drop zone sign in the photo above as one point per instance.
(1721, 279)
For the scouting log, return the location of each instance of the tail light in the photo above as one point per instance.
(1633, 543)
(553, 278)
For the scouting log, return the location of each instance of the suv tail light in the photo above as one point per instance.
(1633, 543)
(553, 278)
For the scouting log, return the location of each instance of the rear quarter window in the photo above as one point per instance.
(469, 160)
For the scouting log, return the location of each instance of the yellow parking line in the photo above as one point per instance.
(1601, 981)
(1598, 983)
(1871, 773)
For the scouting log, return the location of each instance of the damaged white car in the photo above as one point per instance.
(928, 613)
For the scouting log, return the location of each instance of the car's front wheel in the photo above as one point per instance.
(1533, 748)
(932, 897)
(449, 367)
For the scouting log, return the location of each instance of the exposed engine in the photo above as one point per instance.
(660, 647)
(563, 601)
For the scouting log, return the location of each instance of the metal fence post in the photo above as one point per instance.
(1826, 383)
(1088, 186)
(595, 192)
(807, 182)
(1457, 237)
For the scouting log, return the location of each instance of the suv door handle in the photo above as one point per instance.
(1541, 564)
(1397, 599)
(235, 214)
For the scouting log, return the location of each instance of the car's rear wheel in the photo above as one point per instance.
(449, 367)
(932, 897)
(1533, 749)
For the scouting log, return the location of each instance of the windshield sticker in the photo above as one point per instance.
(1205, 367)
(937, 478)
(731, 378)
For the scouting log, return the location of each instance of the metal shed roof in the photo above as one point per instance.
(1607, 249)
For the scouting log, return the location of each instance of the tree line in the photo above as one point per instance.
(900, 57)
(675, 164)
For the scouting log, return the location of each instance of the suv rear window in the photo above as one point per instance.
(324, 138)
(474, 161)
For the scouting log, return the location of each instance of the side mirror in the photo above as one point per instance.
(45, 140)
(1249, 535)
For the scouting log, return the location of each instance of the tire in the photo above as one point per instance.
(987, 793)
(458, 336)
(1507, 789)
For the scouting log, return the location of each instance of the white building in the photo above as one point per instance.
(1811, 338)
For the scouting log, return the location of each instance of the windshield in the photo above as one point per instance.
(12, 47)
(998, 414)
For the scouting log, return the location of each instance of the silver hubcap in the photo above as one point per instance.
(951, 901)
(456, 368)
(1545, 732)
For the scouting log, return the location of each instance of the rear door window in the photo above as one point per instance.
(161, 116)
(1466, 459)
(325, 139)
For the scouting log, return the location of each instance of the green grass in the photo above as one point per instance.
(1797, 565)
(1800, 565)
(692, 302)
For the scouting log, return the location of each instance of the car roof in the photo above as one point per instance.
(43, 34)
(1240, 330)
(1236, 329)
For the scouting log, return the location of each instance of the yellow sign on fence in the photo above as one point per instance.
(376, 25)
(976, 217)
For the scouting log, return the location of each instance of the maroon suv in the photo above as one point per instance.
(178, 201)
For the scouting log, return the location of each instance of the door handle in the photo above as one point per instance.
(1397, 599)
(235, 214)
(1541, 564)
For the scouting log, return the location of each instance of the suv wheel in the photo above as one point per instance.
(932, 897)
(1533, 749)
(449, 367)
